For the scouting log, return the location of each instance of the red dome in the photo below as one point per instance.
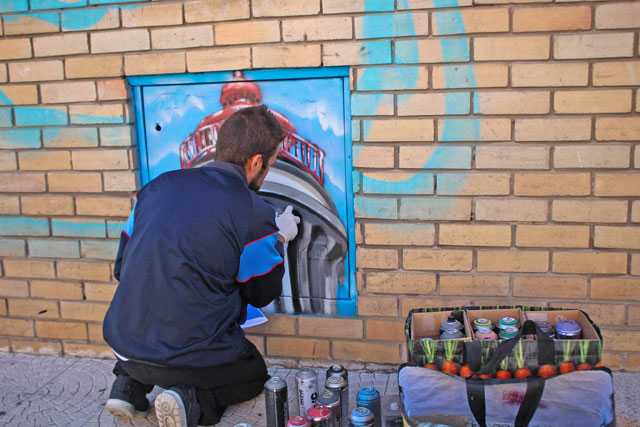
(240, 91)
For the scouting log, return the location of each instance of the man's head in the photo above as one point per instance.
(250, 138)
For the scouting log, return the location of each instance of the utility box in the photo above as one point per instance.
(178, 118)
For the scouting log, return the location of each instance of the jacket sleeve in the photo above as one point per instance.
(261, 270)
(125, 234)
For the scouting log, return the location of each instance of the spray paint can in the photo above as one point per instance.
(307, 387)
(360, 417)
(242, 425)
(338, 370)
(369, 397)
(331, 400)
(339, 385)
(276, 403)
(319, 415)
(298, 421)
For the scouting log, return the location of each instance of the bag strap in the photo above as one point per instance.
(475, 397)
(535, 387)
(546, 348)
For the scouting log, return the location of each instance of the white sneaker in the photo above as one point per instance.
(123, 409)
(170, 410)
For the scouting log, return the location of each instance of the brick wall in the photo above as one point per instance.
(495, 152)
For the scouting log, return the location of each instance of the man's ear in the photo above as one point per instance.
(253, 165)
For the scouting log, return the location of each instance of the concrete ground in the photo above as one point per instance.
(68, 391)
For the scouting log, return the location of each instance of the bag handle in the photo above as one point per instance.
(546, 349)
(475, 397)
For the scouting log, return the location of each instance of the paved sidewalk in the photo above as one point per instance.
(68, 391)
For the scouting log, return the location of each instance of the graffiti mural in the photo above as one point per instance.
(180, 124)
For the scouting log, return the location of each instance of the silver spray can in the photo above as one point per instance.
(338, 370)
(360, 417)
(339, 385)
(331, 400)
(307, 388)
(276, 403)
(369, 397)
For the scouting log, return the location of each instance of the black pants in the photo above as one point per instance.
(216, 387)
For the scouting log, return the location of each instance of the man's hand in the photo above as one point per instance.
(287, 222)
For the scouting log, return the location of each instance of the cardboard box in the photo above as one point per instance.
(495, 315)
(427, 325)
(555, 316)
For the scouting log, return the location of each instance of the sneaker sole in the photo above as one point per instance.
(170, 410)
(123, 409)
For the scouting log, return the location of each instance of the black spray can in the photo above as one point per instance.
(331, 400)
(338, 370)
(369, 397)
(339, 385)
(276, 403)
(360, 417)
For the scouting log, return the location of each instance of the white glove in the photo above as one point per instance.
(287, 222)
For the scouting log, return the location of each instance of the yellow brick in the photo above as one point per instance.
(119, 181)
(100, 159)
(612, 184)
(598, 101)
(476, 184)
(298, 348)
(3, 73)
(490, 129)
(555, 18)
(621, 340)
(182, 37)
(590, 262)
(593, 46)
(277, 325)
(79, 270)
(152, 15)
(61, 45)
(351, 53)
(16, 327)
(50, 289)
(103, 206)
(635, 264)
(399, 234)
(377, 306)
(247, 32)
(327, 327)
(61, 330)
(624, 237)
(541, 75)
(619, 73)
(8, 162)
(513, 102)
(511, 48)
(9, 205)
(618, 15)
(35, 71)
(15, 48)
(87, 350)
(261, 8)
(366, 352)
(286, 56)
(555, 287)
(36, 347)
(589, 210)
(590, 156)
(474, 235)
(481, 285)
(218, 59)
(437, 259)
(415, 157)
(120, 41)
(74, 182)
(634, 315)
(601, 314)
(22, 182)
(512, 157)
(99, 292)
(573, 129)
(635, 211)
(44, 160)
(617, 128)
(83, 310)
(25, 24)
(516, 261)
(484, 75)
(98, 66)
(111, 111)
(95, 333)
(13, 288)
(41, 309)
(320, 28)
(555, 236)
(424, 104)
(399, 130)
(27, 268)
(552, 184)
(215, 10)
(55, 93)
(3, 311)
(155, 63)
(21, 94)
(401, 283)
(374, 157)
(612, 360)
(109, 90)
(614, 288)
(377, 258)
(632, 364)
(494, 20)
(384, 330)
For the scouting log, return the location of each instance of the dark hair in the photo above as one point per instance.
(247, 132)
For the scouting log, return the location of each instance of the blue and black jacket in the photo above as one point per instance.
(198, 246)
